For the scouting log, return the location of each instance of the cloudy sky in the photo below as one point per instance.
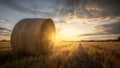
(74, 19)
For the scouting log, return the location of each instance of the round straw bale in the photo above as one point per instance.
(33, 36)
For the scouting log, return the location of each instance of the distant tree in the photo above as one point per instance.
(3, 40)
(118, 38)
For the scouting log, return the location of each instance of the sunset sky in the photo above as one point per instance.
(74, 19)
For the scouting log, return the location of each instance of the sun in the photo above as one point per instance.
(66, 34)
(57, 37)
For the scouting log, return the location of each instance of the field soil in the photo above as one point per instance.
(65, 55)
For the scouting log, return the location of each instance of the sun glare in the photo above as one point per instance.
(66, 34)
(57, 37)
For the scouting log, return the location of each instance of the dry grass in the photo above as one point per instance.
(68, 55)
(5, 46)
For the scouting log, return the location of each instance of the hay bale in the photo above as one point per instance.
(33, 36)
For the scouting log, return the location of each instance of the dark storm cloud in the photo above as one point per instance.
(91, 34)
(80, 8)
(2, 29)
(113, 28)
(97, 8)
(91, 8)
(5, 28)
(5, 31)
(105, 29)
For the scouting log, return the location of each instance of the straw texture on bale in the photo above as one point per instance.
(33, 36)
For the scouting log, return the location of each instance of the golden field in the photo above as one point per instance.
(65, 55)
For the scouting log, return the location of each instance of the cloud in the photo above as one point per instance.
(58, 8)
(5, 31)
(68, 12)
(89, 11)
(113, 28)
(44, 8)
(105, 29)
(5, 28)
(97, 8)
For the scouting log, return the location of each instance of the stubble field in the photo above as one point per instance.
(65, 55)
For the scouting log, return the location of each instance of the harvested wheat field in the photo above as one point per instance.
(65, 55)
